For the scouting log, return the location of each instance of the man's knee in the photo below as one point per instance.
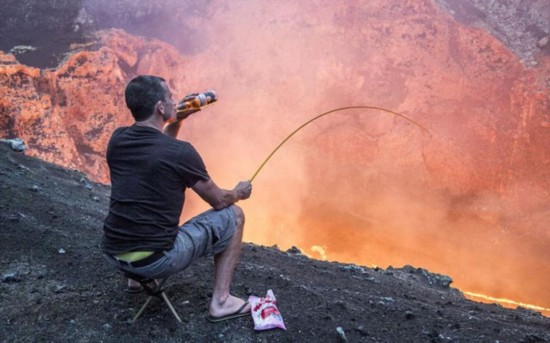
(239, 216)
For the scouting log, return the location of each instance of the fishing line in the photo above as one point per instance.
(324, 114)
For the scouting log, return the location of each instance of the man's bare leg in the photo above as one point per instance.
(223, 302)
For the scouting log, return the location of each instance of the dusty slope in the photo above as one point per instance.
(56, 287)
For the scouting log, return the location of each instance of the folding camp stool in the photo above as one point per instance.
(154, 289)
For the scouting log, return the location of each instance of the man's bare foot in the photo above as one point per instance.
(230, 306)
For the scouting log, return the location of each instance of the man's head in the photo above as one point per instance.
(145, 94)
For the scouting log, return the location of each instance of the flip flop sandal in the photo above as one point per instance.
(236, 314)
(134, 289)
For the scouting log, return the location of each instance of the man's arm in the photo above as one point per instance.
(221, 198)
(173, 128)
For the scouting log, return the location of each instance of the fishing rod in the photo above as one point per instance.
(324, 114)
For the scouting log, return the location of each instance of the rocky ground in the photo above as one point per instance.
(56, 286)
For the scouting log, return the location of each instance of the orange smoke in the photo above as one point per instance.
(469, 202)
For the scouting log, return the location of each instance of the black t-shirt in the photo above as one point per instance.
(149, 174)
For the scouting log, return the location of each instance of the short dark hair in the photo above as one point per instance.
(142, 93)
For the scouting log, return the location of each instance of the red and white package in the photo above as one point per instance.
(265, 313)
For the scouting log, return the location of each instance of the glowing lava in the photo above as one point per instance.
(506, 302)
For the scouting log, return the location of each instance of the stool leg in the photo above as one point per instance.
(142, 308)
(170, 306)
(156, 291)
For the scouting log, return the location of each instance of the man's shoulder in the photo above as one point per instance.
(182, 150)
(119, 130)
(175, 141)
(183, 146)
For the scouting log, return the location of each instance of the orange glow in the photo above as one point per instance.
(506, 302)
(366, 188)
(471, 201)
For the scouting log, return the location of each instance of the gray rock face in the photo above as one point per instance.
(40, 32)
(520, 25)
(44, 26)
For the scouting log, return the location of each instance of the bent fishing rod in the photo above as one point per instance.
(324, 114)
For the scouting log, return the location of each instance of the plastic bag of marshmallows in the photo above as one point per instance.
(265, 313)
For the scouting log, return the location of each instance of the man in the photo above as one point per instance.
(150, 171)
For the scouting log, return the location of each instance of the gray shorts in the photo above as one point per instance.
(207, 234)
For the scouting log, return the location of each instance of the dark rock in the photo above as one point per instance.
(16, 144)
(11, 277)
(294, 250)
(434, 279)
(531, 338)
(341, 334)
(409, 315)
(35, 188)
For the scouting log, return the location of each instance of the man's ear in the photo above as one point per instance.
(160, 108)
